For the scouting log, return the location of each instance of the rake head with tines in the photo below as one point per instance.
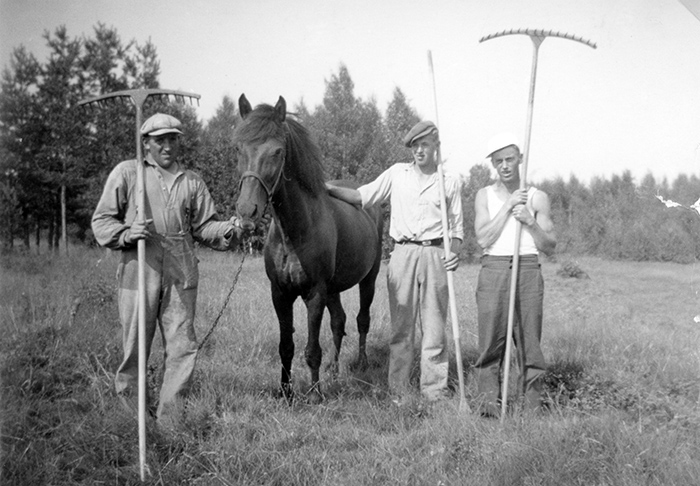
(137, 97)
(539, 33)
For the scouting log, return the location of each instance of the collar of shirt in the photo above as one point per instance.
(423, 184)
(149, 161)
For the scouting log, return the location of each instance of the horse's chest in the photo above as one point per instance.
(287, 270)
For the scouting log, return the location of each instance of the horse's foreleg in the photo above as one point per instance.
(338, 319)
(367, 287)
(315, 305)
(284, 307)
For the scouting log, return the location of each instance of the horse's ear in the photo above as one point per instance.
(244, 107)
(281, 109)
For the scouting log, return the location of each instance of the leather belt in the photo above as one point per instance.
(435, 242)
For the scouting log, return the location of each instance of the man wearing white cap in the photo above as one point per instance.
(498, 206)
(179, 210)
(416, 275)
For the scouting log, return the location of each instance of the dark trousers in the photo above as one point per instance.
(492, 299)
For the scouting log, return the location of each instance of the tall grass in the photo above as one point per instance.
(622, 385)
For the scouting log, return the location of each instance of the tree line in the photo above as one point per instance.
(55, 157)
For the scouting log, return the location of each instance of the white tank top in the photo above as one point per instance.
(505, 244)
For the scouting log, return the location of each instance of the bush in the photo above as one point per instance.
(572, 269)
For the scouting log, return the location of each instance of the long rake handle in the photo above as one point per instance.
(463, 406)
(536, 42)
(141, 252)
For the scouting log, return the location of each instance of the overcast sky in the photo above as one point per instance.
(632, 103)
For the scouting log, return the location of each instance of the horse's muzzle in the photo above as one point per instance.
(247, 224)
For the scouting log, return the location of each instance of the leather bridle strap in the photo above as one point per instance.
(269, 191)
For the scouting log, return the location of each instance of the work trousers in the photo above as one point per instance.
(171, 298)
(492, 299)
(417, 288)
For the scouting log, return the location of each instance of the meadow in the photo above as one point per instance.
(622, 387)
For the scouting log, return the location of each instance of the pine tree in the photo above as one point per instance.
(58, 155)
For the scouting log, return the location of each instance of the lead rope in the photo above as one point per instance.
(269, 204)
(223, 307)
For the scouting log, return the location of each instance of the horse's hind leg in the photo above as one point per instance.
(284, 307)
(338, 319)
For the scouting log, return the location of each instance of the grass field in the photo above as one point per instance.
(622, 383)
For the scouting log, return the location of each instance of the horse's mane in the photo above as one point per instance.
(303, 157)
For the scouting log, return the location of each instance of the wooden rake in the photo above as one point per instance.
(138, 97)
(463, 405)
(537, 36)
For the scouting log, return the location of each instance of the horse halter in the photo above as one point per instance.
(269, 191)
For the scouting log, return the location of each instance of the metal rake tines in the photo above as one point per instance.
(540, 33)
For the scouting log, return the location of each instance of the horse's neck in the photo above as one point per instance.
(295, 210)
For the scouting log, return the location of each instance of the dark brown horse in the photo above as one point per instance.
(317, 246)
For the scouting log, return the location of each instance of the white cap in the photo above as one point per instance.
(501, 141)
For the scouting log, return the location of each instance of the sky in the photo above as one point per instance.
(633, 103)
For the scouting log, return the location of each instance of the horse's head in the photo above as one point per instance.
(261, 147)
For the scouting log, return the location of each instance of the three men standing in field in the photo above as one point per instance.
(180, 210)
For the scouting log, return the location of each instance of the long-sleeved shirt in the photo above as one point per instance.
(187, 208)
(415, 210)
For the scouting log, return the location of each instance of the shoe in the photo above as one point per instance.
(490, 411)
(399, 401)
(438, 397)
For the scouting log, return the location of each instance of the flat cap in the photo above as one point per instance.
(420, 129)
(159, 124)
(501, 141)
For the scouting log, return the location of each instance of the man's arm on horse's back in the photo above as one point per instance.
(346, 194)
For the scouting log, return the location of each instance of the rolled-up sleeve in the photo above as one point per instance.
(377, 191)
(456, 219)
(206, 227)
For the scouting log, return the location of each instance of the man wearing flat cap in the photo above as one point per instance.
(179, 210)
(498, 207)
(416, 274)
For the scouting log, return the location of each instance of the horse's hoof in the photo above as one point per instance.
(286, 392)
(333, 368)
(314, 396)
(362, 362)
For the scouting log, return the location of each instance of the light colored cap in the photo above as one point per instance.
(159, 124)
(501, 141)
(420, 129)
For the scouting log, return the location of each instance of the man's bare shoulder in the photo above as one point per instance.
(485, 189)
(540, 197)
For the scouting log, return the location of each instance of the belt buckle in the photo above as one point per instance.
(426, 243)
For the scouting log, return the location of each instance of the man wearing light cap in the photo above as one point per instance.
(498, 207)
(416, 274)
(179, 210)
